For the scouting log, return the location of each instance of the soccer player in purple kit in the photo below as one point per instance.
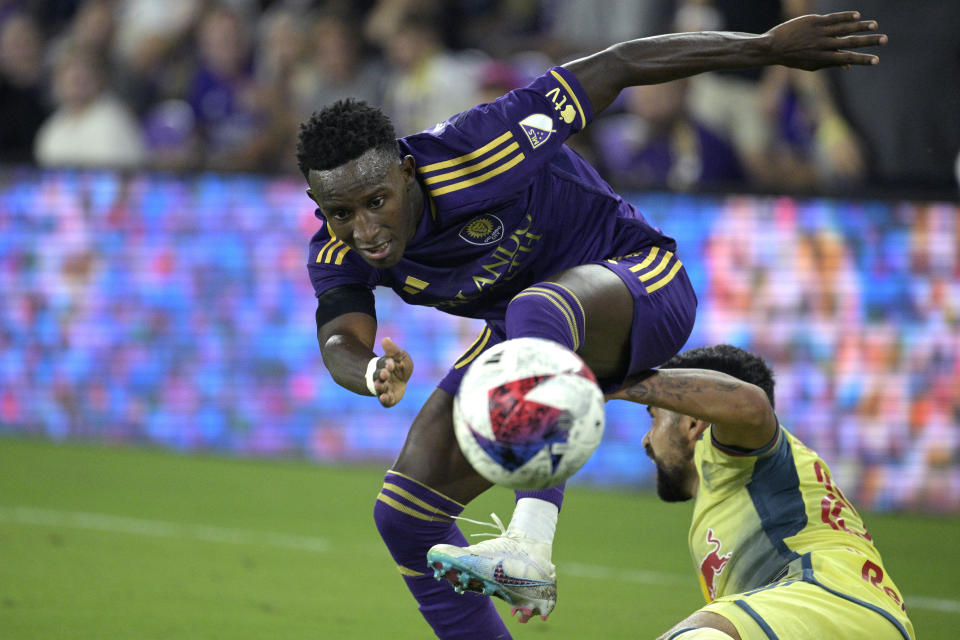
(488, 215)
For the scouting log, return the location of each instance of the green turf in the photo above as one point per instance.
(99, 542)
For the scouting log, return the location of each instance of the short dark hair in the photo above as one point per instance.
(341, 132)
(728, 359)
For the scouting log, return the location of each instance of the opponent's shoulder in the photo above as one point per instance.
(712, 449)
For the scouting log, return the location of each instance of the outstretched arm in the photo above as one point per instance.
(739, 411)
(808, 42)
(346, 343)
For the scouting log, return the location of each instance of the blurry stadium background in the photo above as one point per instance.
(153, 234)
(175, 311)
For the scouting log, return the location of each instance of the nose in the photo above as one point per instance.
(365, 228)
(645, 441)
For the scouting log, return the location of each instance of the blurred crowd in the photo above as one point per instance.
(133, 314)
(223, 85)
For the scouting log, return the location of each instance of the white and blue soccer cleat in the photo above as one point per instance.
(512, 567)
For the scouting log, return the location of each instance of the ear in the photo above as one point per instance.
(408, 167)
(695, 429)
(312, 196)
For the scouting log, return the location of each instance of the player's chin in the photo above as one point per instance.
(672, 485)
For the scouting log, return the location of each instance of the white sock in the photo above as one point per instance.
(535, 519)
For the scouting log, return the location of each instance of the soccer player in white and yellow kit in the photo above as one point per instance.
(779, 550)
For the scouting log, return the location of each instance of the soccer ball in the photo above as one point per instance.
(528, 413)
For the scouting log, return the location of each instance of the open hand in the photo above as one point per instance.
(393, 371)
(816, 42)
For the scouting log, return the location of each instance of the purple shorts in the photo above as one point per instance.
(664, 309)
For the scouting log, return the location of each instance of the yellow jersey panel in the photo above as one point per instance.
(776, 515)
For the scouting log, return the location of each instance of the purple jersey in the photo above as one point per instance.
(508, 205)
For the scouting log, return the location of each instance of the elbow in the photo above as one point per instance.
(755, 409)
(601, 75)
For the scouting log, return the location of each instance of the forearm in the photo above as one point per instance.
(346, 357)
(667, 57)
(807, 42)
(712, 396)
(678, 55)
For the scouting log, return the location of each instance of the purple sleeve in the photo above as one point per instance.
(331, 263)
(498, 147)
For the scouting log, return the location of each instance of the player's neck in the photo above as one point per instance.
(417, 205)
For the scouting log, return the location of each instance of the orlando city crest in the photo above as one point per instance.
(484, 229)
(538, 128)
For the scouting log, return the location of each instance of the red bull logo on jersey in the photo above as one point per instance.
(538, 128)
(712, 566)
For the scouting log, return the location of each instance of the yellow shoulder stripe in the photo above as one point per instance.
(483, 177)
(443, 177)
(476, 153)
(328, 249)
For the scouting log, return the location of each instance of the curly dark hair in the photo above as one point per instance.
(727, 359)
(341, 132)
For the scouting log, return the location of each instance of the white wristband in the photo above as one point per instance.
(371, 369)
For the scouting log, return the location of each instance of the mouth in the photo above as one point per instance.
(376, 251)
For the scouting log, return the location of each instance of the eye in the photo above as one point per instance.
(339, 215)
(376, 202)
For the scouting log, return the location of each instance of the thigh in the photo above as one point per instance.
(700, 619)
(431, 455)
(608, 317)
(798, 610)
(638, 312)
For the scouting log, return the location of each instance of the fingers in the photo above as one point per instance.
(392, 376)
(846, 28)
(391, 350)
(859, 42)
(850, 57)
(390, 395)
(385, 391)
(390, 347)
(840, 16)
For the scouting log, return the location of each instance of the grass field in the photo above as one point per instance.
(100, 542)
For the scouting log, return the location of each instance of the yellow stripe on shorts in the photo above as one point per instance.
(474, 349)
(646, 261)
(558, 302)
(665, 279)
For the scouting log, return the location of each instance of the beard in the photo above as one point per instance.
(671, 484)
